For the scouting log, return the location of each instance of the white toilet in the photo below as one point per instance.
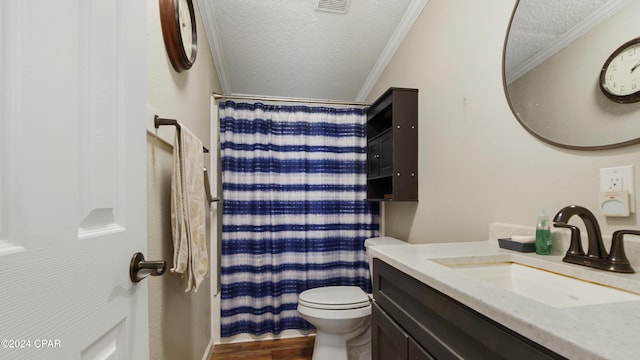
(341, 316)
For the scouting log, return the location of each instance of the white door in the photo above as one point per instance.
(72, 179)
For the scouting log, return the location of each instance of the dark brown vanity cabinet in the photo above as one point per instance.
(391, 341)
(392, 146)
(411, 320)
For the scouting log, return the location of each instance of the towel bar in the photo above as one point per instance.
(207, 188)
(158, 121)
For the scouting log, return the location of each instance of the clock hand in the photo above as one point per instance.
(635, 66)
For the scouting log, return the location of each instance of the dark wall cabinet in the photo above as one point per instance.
(411, 320)
(392, 146)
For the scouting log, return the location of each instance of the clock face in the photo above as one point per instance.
(620, 76)
(186, 27)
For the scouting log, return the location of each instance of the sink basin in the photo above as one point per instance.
(547, 287)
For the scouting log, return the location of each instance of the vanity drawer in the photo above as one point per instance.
(444, 327)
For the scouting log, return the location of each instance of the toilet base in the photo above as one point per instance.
(359, 348)
(355, 345)
(329, 346)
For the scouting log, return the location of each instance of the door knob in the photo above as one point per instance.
(140, 269)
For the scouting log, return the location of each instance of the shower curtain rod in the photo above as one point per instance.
(285, 99)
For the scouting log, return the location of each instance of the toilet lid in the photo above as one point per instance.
(334, 297)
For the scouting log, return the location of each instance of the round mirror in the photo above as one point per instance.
(553, 56)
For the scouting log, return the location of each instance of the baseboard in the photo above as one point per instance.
(283, 335)
(208, 350)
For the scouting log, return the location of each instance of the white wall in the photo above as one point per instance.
(180, 326)
(477, 164)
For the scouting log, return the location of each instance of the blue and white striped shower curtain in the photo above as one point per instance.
(294, 215)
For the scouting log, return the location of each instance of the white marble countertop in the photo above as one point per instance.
(606, 331)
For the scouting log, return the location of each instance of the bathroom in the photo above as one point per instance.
(477, 164)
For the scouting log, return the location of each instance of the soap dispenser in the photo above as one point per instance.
(543, 234)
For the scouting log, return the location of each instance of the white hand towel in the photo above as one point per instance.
(188, 222)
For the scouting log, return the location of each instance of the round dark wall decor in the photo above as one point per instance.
(178, 21)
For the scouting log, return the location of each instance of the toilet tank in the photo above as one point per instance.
(382, 241)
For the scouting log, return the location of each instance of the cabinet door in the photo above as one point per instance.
(388, 340)
(373, 158)
(417, 352)
(386, 154)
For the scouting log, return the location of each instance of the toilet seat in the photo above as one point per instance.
(334, 298)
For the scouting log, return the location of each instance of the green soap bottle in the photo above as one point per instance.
(543, 234)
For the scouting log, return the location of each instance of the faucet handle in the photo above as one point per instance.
(617, 260)
(575, 248)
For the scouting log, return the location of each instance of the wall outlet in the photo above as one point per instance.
(615, 182)
(617, 179)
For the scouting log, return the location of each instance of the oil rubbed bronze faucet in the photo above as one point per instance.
(596, 256)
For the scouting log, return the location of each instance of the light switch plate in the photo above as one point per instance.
(619, 178)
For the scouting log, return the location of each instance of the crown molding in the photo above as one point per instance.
(408, 19)
(213, 38)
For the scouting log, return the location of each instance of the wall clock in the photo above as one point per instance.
(178, 21)
(620, 74)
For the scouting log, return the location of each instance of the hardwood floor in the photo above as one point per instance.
(284, 349)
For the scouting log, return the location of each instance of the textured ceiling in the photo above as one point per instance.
(286, 48)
